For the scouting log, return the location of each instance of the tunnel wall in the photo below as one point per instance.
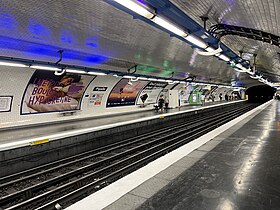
(14, 82)
(260, 93)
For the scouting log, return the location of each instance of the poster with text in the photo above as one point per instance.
(47, 92)
(151, 92)
(125, 93)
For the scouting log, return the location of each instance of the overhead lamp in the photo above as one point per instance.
(5, 63)
(143, 78)
(129, 82)
(240, 70)
(239, 65)
(261, 79)
(152, 79)
(76, 71)
(196, 41)
(210, 51)
(129, 77)
(169, 26)
(134, 79)
(255, 77)
(96, 73)
(45, 67)
(60, 72)
(224, 57)
(135, 7)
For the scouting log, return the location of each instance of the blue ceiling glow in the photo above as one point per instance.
(230, 2)
(42, 50)
(92, 42)
(66, 37)
(45, 51)
(39, 31)
(9, 43)
(96, 59)
(142, 2)
(7, 22)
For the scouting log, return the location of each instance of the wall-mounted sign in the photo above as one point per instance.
(96, 99)
(6, 103)
(100, 88)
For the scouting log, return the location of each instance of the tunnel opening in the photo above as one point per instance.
(260, 93)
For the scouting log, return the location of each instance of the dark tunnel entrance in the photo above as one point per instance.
(261, 93)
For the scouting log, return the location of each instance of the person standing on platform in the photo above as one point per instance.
(202, 98)
(226, 97)
(221, 96)
(166, 103)
(160, 103)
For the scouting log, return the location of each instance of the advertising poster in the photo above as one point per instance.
(47, 92)
(124, 93)
(184, 94)
(194, 97)
(151, 92)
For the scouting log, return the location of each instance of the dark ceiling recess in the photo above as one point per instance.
(220, 30)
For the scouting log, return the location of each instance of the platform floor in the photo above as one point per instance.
(237, 169)
(12, 138)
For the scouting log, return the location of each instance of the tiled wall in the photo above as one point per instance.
(13, 82)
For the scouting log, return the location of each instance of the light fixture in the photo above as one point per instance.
(60, 72)
(129, 82)
(240, 70)
(5, 63)
(45, 67)
(152, 79)
(135, 7)
(76, 71)
(210, 51)
(169, 26)
(129, 77)
(134, 79)
(255, 76)
(224, 57)
(239, 65)
(196, 41)
(143, 78)
(96, 73)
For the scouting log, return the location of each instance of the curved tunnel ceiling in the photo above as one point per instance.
(96, 34)
(257, 14)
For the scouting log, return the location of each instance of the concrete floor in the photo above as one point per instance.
(239, 169)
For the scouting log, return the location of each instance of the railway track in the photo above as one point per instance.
(68, 180)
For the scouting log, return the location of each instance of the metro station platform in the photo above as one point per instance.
(28, 135)
(235, 166)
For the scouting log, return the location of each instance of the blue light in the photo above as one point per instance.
(7, 22)
(44, 51)
(66, 37)
(97, 59)
(39, 31)
(92, 42)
